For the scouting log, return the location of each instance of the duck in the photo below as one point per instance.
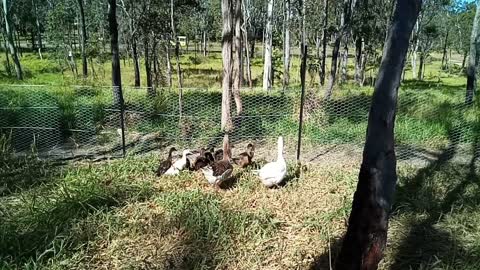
(273, 173)
(245, 159)
(218, 171)
(166, 164)
(205, 158)
(218, 155)
(181, 164)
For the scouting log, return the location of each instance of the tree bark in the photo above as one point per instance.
(204, 43)
(177, 50)
(324, 43)
(248, 66)
(344, 76)
(7, 57)
(10, 41)
(464, 61)
(420, 66)
(267, 66)
(358, 60)
(136, 61)
(286, 46)
(39, 32)
(473, 57)
(116, 75)
(169, 64)
(344, 22)
(83, 39)
(366, 237)
(445, 51)
(227, 40)
(415, 51)
(148, 66)
(237, 60)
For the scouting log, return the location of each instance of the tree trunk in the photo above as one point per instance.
(204, 43)
(420, 66)
(473, 57)
(227, 40)
(267, 66)
(32, 40)
(445, 51)
(83, 39)
(10, 41)
(177, 50)
(39, 32)
(344, 21)
(248, 66)
(464, 61)
(148, 66)
(136, 62)
(415, 51)
(7, 57)
(286, 46)
(19, 45)
(358, 60)
(169, 63)
(366, 237)
(116, 75)
(364, 66)
(344, 76)
(237, 60)
(324, 43)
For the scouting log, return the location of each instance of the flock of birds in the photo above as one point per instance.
(217, 166)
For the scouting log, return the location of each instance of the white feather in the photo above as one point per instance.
(215, 180)
(273, 173)
(172, 171)
(182, 162)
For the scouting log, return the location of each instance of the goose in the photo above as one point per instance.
(181, 164)
(219, 171)
(273, 173)
(245, 159)
(165, 164)
(205, 158)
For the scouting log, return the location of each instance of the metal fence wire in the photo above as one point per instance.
(83, 122)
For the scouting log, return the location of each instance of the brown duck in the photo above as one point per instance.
(245, 159)
(166, 164)
(205, 158)
(219, 171)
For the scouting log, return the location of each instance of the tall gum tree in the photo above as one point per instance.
(366, 236)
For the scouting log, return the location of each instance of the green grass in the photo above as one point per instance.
(117, 215)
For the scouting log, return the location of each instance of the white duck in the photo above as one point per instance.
(274, 172)
(179, 165)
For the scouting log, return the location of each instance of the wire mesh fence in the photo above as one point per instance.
(83, 121)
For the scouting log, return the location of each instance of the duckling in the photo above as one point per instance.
(205, 158)
(273, 173)
(165, 164)
(245, 159)
(220, 170)
(181, 164)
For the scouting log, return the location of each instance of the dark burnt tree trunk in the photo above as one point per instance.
(473, 58)
(464, 61)
(420, 66)
(116, 75)
(83, 38)
(366, 236)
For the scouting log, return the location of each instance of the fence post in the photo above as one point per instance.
(122, 120)
(303, 69)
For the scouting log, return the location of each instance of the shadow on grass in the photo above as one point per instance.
(426, 242)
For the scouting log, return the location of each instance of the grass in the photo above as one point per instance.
(117, 215)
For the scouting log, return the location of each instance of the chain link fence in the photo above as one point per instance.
(83, 122)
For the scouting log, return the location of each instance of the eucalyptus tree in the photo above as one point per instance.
(7, 21)
(473, 56)
(366, 237)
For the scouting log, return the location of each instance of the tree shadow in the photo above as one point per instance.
(425, 241)
(327, 259)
